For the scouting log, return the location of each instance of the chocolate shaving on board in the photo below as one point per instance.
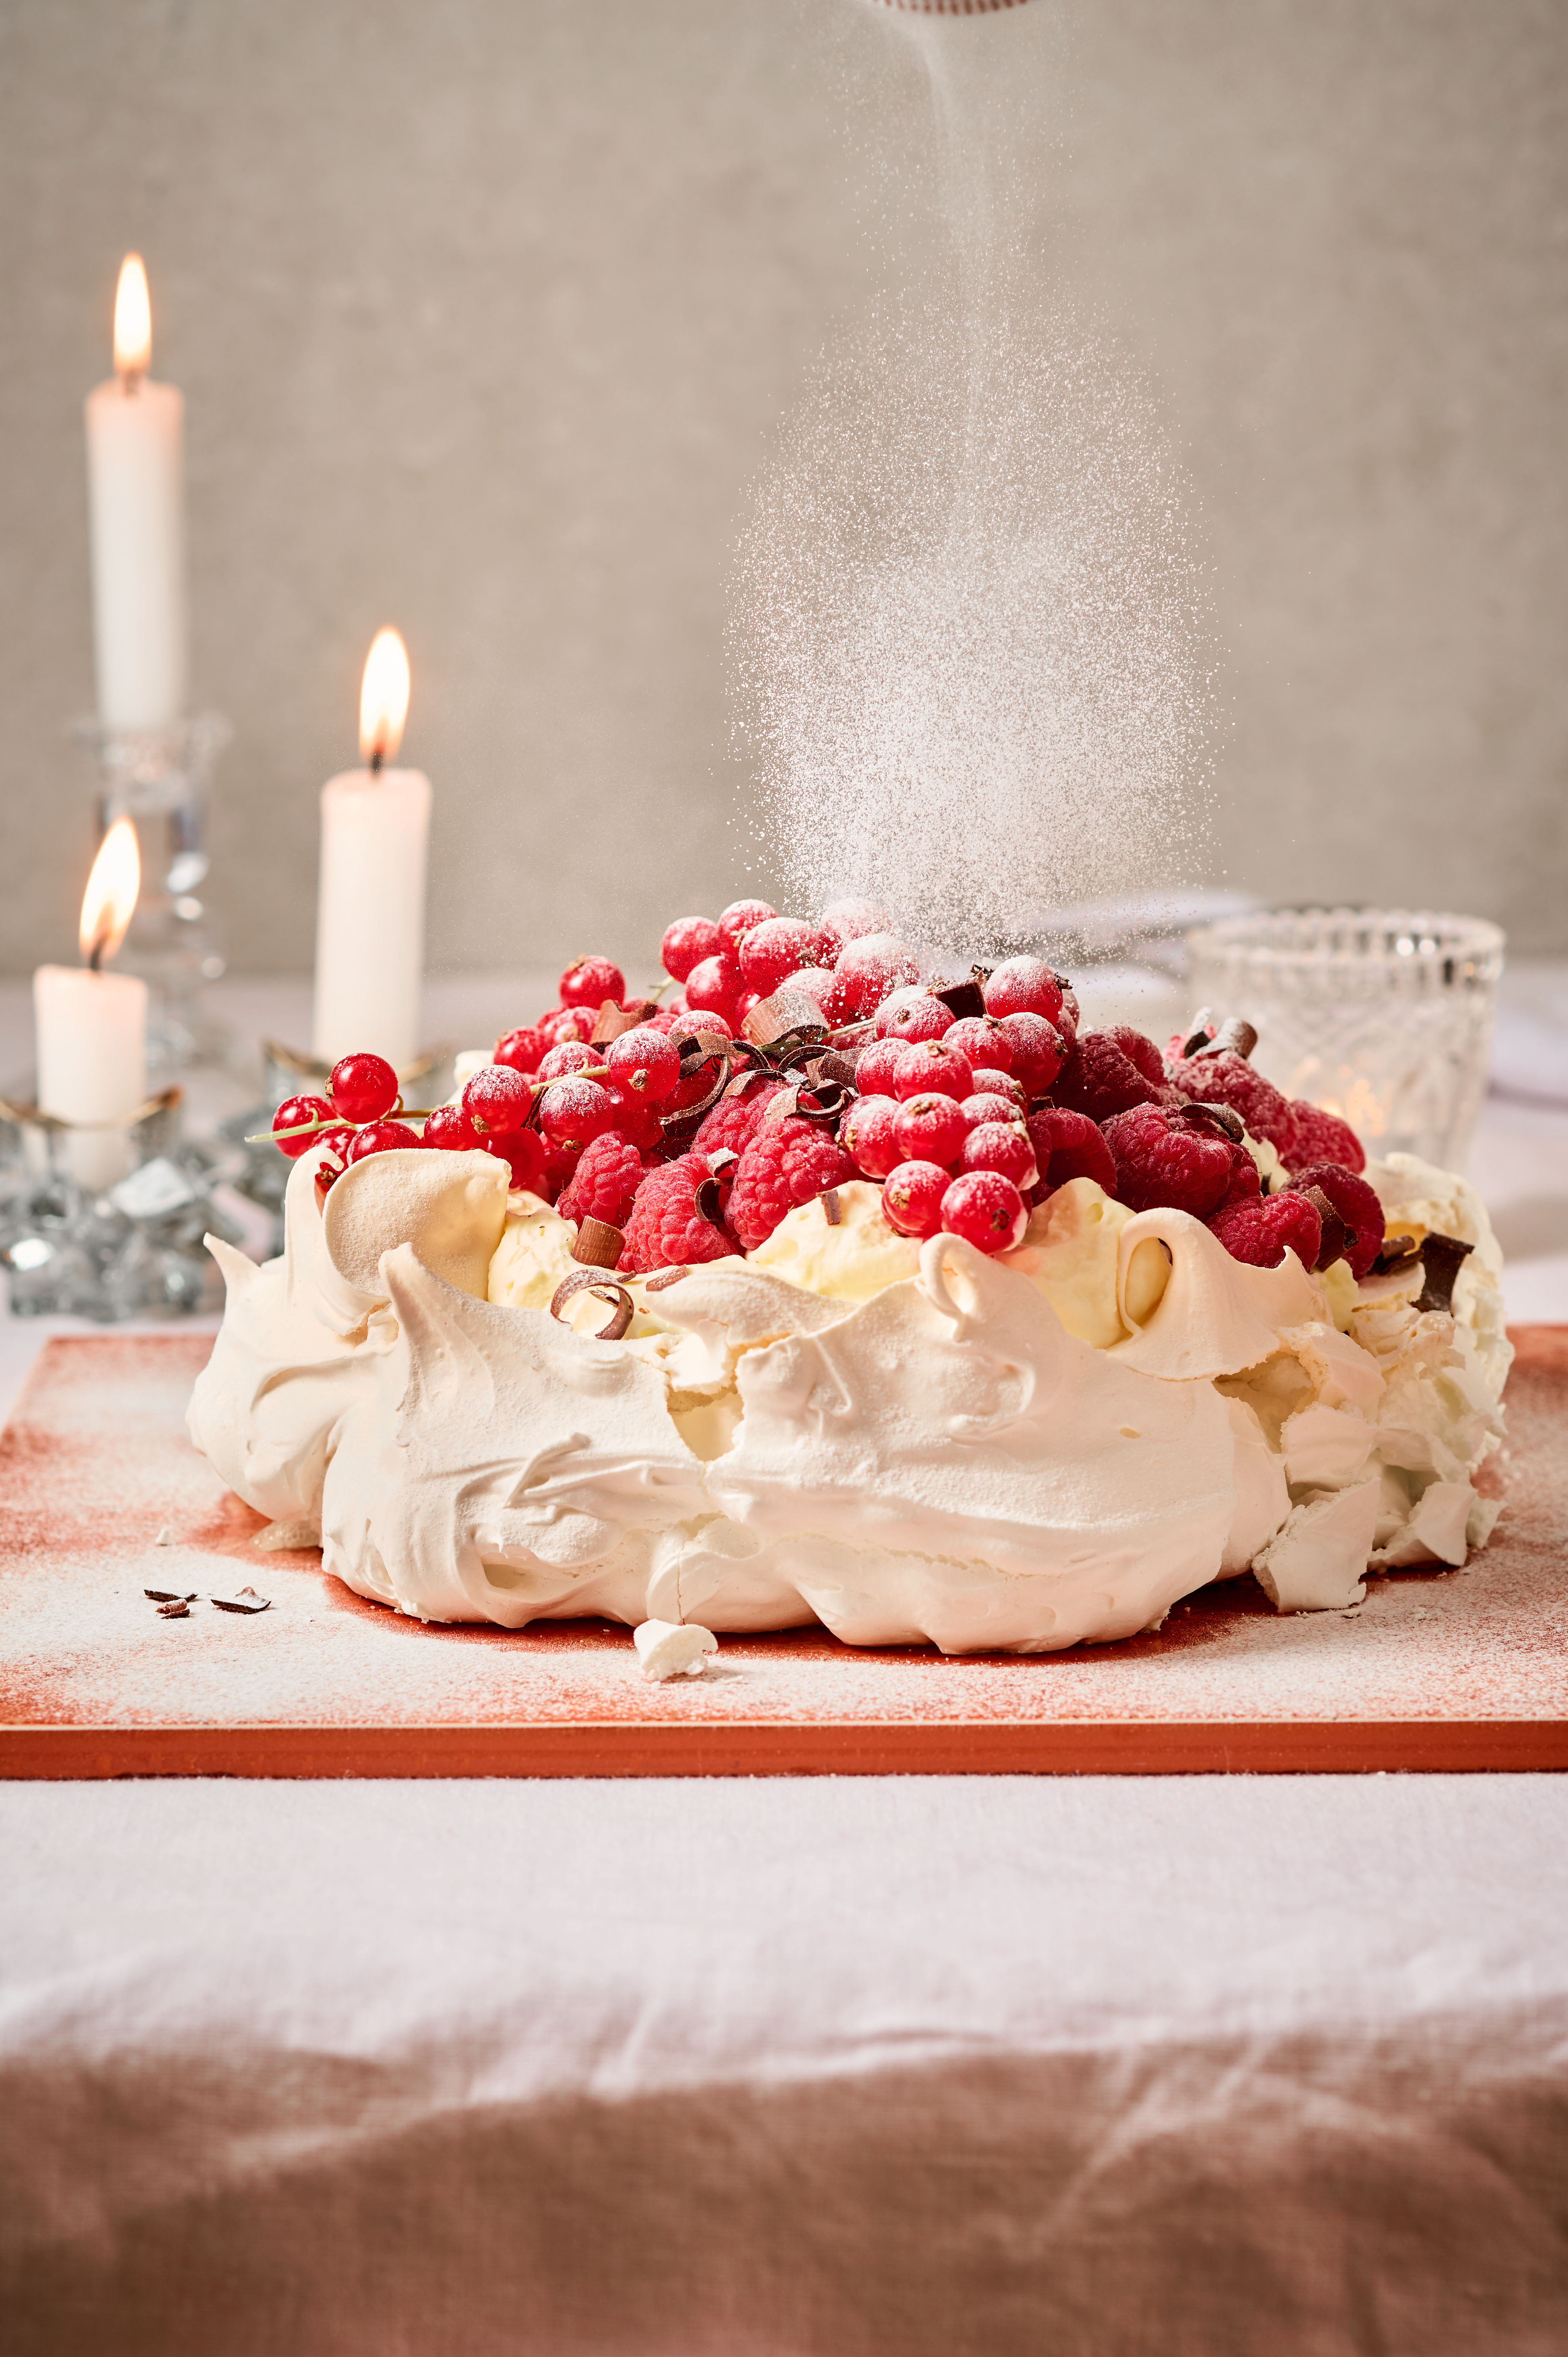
(1397, 1255)
(832, 1212)
(598, 1243)
(1442, 1258)
(170, 1595)
(588, 1280)
(963, 997)
(245, 1600)
(176, 1608)
(1224, 1118)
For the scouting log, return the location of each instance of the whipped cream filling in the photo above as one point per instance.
(905, 1442)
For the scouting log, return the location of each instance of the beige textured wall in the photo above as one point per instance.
(485, 311)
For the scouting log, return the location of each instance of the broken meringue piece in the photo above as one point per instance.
(673, 1649)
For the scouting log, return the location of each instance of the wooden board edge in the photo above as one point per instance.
(1000, 1748)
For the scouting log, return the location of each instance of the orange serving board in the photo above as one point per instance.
(1440, 1670)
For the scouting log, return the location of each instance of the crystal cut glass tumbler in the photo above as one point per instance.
(1382, 1015)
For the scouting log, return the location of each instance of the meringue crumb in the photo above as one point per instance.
(165, 1537)
(671, 1649)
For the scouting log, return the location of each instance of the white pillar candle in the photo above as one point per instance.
(370, 914)
(135, 432)
(91, 1027)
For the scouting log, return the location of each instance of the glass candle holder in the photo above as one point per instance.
(134, 1250)
(159, 780)
(1384, 1016)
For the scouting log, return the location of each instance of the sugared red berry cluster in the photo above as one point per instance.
(694, 1132)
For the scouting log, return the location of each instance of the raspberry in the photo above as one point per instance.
(1356, 1204)
(913, 1013)
(1070, 1146)
(523, 1050)
(843, 921)
(777, 946)
(567, 1023)
(665, 1227)
(988, 1105)
(1002, 1146)
(644, 1061)
(987, 1210)
(607, 1176)
(1023, 986)
(1230, 1079)
(497, 1099)
(869, 1135)
(450, 1128)
(589, 981)
(992, 1080)
(738, 919)
(1038, 1049)
(573, 1112)
(687, 942)
(735, 1121)
(931, 1064)
(1140, 1051)
(912, 1198)
(931, 1129)
(982, 1039)
(1100, 1079)
(788, 1162)
(567, 1056)
(1319, 1135)
(380, 1137)
(362, 1088)
(1258, 1229)
(1162, 1161)
(875, 1071)
(715, 983)
(870, 969)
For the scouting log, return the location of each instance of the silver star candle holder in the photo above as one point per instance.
(131, 1249)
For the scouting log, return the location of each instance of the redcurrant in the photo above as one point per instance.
(362, 1087)
(291, 1112)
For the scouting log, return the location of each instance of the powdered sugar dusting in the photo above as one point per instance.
(969, 637)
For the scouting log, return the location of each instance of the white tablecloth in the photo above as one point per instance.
(1101, 2067)
(980, 2065)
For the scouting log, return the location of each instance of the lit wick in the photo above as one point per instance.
(110, 900)
(133, 325)
(383, 701)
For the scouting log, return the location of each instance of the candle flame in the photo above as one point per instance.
(110, 900)
(133, 321)
(383, 699)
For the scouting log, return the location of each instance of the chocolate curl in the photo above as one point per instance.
(170, 1595)
(832, 1211)
(1338, 1235)
(1442, 1258)
(708, 1205)
(963, 997)
(586, 1280)
(244, 1600)
(613, 1020)
(1197, 1031)
(666, 1277)
(1395, 1255)
(834, 1066)
(598, 1244)
(774, 1020)
(1235, 1036)
(980, 975)
(1224, 1118)
(176, 1608)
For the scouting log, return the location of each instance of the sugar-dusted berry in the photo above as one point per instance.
(912, 1014)
(869, 969)
(787, 1163)
(987, 1210)
(1318, 1136)
(362, 1087)
(912, 1198)
(1003, 1146)
(1023, 986)
(877, 1063)
(843, 921)
(1100, 1079)
(567, 1056)
(1167, 1160)
(380, 1137)
(1261, 1229)
(497, 1099)
(776, 947)
(1230, 1079)
(1354, 1201)
(589, 981)
(609, 1174)
(869, 1135)
(524, 1050)
(715, 984)
(1070, 1146)
(645, 1061)
(687, 942)
(982, 1039)
(931, 1064)
(567, 1023)
(933, 1128)
(665, 1228)
(573, 1112)
(739, 918)
(1002, 1083)
(735, 1121)
(1038, 1048)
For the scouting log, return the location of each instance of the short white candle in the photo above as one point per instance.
(91, 1027)
(370, 913)
(135, 433)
